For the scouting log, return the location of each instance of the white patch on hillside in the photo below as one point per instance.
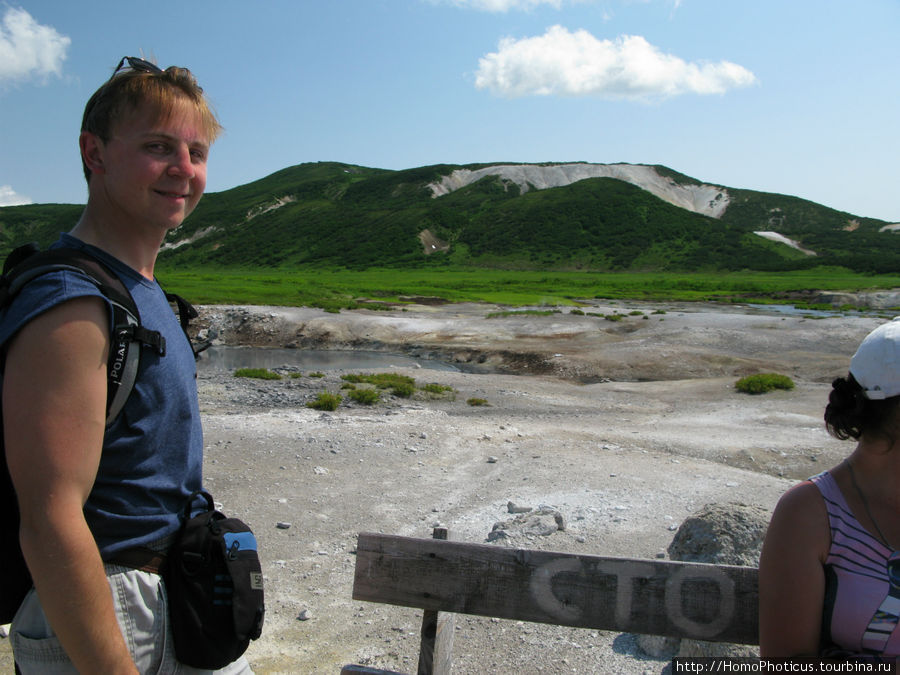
(781, 239)
(199, 234)
(893, 227)
(271, 206)
(277, 203)
(709, 200)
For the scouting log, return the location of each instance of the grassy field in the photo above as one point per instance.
(337, 289)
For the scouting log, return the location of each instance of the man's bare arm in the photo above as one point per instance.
(54, 407)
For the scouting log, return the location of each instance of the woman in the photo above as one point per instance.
(829, 573)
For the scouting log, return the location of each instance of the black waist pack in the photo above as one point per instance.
(215, 588)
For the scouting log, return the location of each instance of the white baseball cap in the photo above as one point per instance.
(876, 364)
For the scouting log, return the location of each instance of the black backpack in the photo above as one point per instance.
(128, 340)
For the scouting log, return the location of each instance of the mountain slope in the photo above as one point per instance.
(549, 216)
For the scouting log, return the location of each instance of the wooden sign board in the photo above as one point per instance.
(658, 597)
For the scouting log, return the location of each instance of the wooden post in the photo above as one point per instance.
(436, 645)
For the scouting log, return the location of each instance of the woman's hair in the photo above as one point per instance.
(132, 89)
(850, 414)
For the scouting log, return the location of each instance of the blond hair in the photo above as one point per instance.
(130, 90)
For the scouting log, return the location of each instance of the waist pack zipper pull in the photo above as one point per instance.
(233, 550)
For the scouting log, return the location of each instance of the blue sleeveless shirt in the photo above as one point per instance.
(153, 451)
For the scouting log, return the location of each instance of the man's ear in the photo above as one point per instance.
(92, 151)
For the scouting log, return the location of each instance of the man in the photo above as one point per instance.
(93, 498)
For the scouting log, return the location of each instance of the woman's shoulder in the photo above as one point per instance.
(801, 518)
(802, 500)
(809, 490)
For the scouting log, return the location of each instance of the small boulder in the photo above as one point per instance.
(512, 507)
(721, 534)
(539, 523)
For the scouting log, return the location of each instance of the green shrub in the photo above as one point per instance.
(763, 382)
(400, 385)
(258, 373)
(296, 376)
(477, 401)
(317, 374)
(364, 396)
(325, 401)
(434, 388)
(403, 389)
(614, 317)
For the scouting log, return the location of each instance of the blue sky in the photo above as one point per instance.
(800, 97)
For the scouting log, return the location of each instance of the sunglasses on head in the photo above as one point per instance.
(140, 65)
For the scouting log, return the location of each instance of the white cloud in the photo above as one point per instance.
(563, 63)
(8, 197)
(28, 49)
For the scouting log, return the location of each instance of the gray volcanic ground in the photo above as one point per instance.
(625, 427)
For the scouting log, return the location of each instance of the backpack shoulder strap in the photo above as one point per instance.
(187, 312)
(28, 262)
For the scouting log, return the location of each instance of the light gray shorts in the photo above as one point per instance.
(141, 608)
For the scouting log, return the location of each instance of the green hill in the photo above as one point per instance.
(338, 215)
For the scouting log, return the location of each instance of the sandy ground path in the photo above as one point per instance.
(625, 461)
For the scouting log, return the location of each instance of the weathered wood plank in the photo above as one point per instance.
(692, 600)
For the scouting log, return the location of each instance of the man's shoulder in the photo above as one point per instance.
(43, 293)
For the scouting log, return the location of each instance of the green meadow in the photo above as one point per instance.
(336, 289)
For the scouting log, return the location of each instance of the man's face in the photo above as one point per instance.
(154, 170)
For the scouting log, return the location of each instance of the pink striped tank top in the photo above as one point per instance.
(862, 584)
